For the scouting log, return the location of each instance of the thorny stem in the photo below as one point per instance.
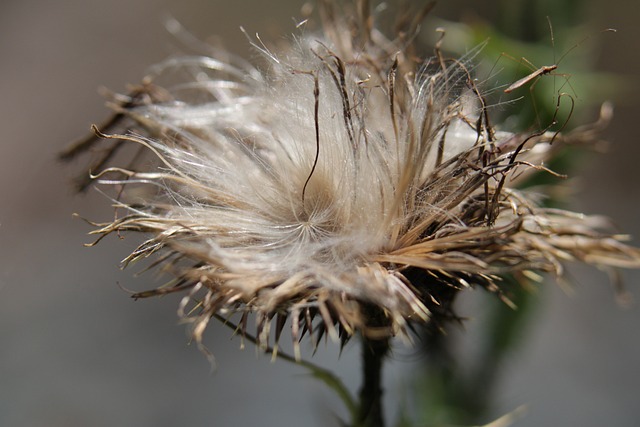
(374, 350)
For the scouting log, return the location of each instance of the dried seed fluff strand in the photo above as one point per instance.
(344, 173)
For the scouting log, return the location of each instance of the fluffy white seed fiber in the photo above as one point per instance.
(344, 184)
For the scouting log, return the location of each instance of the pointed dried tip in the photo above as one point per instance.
(245, 191)
(510, 418)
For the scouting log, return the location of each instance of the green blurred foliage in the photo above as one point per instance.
(523, 36)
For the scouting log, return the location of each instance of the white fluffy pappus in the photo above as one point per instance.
(345, 184)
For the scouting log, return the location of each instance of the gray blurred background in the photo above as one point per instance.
(76, 351)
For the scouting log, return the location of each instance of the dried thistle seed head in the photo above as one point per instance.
(345, 184)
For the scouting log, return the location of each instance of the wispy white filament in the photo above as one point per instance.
(320, 182)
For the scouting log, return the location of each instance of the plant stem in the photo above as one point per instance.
(374, 350)
(373, 354)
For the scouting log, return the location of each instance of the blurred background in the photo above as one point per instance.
(76, 351)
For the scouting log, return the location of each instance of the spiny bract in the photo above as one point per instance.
(346, 184)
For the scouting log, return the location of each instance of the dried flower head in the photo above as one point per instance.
(347, 184)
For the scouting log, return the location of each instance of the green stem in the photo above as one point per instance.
(324, 375)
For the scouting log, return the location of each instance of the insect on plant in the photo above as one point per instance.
(546, 69)
(533, 78)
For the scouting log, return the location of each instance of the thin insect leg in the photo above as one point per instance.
(534, 103)
(553, 49)
(529, 63)
(567, 78)
(535, 71)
